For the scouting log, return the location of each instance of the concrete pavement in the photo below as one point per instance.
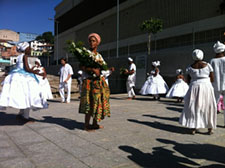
(139, 133)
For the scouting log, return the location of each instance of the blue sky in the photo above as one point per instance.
(29, 16)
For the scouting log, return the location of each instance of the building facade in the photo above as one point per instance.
(187, 24)
(39, 48)
(9, 35)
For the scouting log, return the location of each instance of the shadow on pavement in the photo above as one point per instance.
(54, 101)
(145, 99)
(64, 122)
(208, 152)
(221, 126)
(213, 166)
(161, 126)
(175, 109)
(10, 119)
(118, 98)
(159, 158)
(175, 104)
(176, 119)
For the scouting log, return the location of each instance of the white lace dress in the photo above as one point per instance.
(200, 109)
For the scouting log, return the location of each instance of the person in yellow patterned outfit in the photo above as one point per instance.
(95, 92)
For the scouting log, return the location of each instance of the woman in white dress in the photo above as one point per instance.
(200, 104)
(218, 64)
(21, 88)
(179, 88)
(155, 84)
(43, 81)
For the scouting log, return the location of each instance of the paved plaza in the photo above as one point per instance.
(139, 133)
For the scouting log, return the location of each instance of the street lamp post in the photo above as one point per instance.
(118, 28)
(57, 38)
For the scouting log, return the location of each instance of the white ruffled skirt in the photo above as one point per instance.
(200, 109)
(21, 91)
(46, 91)
(178, 89)
(154, 85)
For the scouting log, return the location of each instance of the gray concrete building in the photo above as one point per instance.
(187, 24)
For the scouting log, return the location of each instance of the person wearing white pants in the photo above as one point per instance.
(66, 73)
(131, 79)
(218, 64)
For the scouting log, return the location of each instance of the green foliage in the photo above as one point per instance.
(46, 37)
(122, 72)
(84, 56)
(152, 25)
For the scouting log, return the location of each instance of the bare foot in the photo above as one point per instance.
(193, 131)
(97, 126)
(210, 131)
(129, 98)
(25, 120)
(88, 129)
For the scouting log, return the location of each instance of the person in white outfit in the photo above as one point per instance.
(218, 64)
(155, 84)
(43, 81)
(65, 81)
(199, 103)
(131, 79)
(21, 88)
(107, 73)
(179, 88)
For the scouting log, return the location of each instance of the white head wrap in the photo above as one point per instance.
(22, 46)
(38, 60)
(219, 47)
(156, 63)
(179, 71)
(130, 59)
(80, 72)
(197, 55)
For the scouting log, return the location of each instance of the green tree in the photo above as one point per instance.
(151, 26)
(46, 37)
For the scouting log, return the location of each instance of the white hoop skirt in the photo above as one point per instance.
(154, 85)
(21, 91)
(178, 89)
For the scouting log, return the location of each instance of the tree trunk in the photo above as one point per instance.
(149, 43)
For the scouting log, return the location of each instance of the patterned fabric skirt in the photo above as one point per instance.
(95, 98)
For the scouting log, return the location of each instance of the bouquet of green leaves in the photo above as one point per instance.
(85, 56)
(122, 72)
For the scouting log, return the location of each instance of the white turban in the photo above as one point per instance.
(156, 63)
(38, 60)
(80, 72)
(219, 47)
(197, 54)
(179, 71)
(130, 59)
(22, 46)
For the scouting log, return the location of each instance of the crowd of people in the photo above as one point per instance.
(203, 97)
(27, 88)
